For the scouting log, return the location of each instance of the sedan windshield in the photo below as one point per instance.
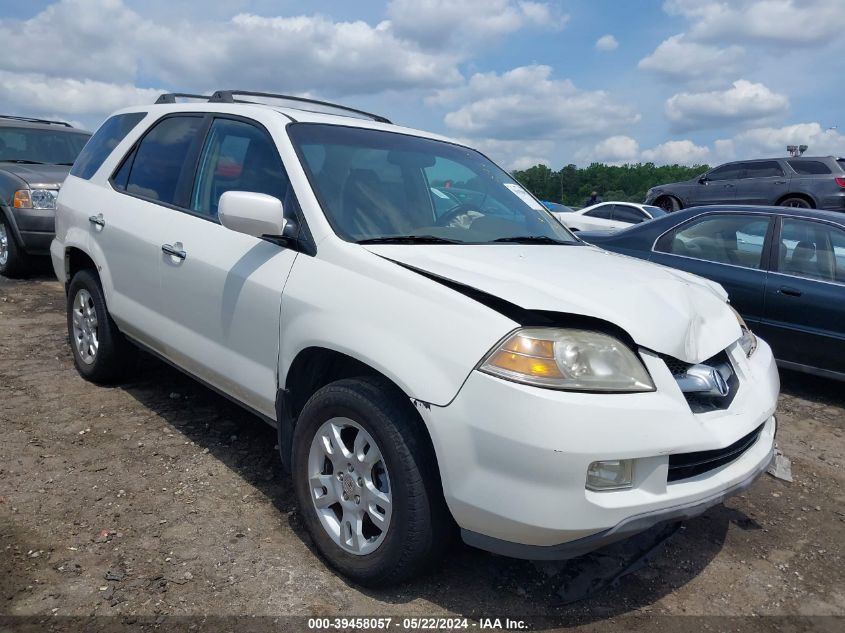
(37, 146)
(377, 186)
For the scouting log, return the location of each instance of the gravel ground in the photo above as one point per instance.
(160, 498)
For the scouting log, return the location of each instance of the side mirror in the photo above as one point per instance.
(703, 180)
(255, 214)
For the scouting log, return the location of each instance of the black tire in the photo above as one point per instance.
(669, 204)
(420, 527)
(115, 357)
(796, 202)
(17, 262)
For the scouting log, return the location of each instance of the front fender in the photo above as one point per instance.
(423, 336)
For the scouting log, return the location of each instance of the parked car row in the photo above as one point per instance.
(433, 347)
(608, 216)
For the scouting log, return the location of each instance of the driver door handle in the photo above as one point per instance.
(790, 292)
(174, 251)
(97, 220)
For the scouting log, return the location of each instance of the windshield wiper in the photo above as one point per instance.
(24, 161)
(531, 239)
(409, 239)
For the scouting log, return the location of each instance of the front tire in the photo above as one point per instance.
(669, 204)
(366, 482)
(14, 262)
(100, 352)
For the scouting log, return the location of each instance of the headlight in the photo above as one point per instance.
(35, 199)
(576, 360)
(748, 341)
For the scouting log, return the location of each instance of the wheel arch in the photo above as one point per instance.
(315, 367)
(802, 195)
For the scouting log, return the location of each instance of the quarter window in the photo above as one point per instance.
(809, 167)
(812, 249)
(99, 146)
(726, 239)
(237, 156)
(161, 159)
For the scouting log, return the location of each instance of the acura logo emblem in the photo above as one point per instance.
(706, 380)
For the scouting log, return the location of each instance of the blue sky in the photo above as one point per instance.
(526, 81)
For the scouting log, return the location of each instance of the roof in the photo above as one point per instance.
(819, 214)
(354, 118)
(8, 120)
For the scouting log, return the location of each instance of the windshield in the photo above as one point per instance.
(654, 212)
(383, 186)
(32, 145)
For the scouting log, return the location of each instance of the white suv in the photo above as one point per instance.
(433, 347)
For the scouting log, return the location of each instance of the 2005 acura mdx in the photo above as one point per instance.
(427, 360)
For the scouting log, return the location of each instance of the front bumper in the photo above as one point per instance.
(37, 228)
(513, 458)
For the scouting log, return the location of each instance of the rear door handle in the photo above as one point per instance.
(174, 250)
(791, 292)
(780, 182)
(97, 219)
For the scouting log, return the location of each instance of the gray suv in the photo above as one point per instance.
(35, 157)
(816, 182)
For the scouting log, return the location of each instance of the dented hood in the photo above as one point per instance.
(666, 310)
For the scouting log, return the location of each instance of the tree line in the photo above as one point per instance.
(573, 185)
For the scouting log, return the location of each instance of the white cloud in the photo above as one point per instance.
(780, 22)
(526, 103)
(772, 141)
(745, 101)
(436, 23)
(607, 43)
(104, 40)
(27, 92)
(683, 152)
(513, 154)
(615, 150)
(679, 59)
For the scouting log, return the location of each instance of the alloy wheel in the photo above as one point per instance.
(85, 334)
(4, 245)
(349, 486)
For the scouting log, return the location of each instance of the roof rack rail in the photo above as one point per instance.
(170, 97)
(228, 96)
(34, 120)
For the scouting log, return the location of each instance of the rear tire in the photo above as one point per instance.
(329, 480)
(14, 262)
(796, 203)
(100, 352)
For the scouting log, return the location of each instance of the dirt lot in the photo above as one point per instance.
(161, 498)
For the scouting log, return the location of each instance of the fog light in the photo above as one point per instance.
(612, 474)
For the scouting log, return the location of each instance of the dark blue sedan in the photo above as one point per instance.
(783, 268)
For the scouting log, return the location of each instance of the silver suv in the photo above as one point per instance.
(35, 157)
(808, 182)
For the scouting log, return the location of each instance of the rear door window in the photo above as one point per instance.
(161, 162)
(732, 239)
(604, 212)
(815, 250)
(99, 146)
(809, 167)
(625, 213)
(762, 169)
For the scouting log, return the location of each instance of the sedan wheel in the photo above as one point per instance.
(350, 486)
(798, 203)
